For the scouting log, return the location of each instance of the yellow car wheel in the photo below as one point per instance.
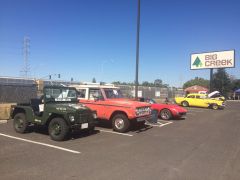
(185, 104)
(215, 106)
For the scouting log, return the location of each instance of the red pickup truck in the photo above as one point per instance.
(110, 105)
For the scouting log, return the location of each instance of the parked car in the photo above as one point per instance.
(166, 111)
(110, 105)
(216, 95)
(199, 100)
(59, 110)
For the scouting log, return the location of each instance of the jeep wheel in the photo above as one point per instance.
(214, 106)
(58, 129)
(185, 104)
(165, 114)
(20, 123)
(120, 123)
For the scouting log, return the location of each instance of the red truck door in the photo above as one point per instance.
(95, 101)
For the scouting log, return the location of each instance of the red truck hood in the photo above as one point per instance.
(127, 102)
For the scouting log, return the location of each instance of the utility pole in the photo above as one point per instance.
(137, 51)
(26, 51)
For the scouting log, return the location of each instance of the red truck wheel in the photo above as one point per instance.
(120, 123)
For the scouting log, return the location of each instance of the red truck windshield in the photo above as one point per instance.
(113, 93)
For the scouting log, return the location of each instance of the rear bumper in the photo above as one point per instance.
(222, 106)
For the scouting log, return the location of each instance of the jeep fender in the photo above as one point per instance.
(26, 110)
(54, 115)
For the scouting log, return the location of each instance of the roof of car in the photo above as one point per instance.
(95, 86)
(196, 94)
(58, 87)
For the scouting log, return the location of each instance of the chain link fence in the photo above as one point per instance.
(17, 90)
(152, 92)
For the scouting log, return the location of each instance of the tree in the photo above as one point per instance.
(221, 82)
(158, 82)
(116, 83)
(196, 81)
(145, 83)
(94, 80)
(235, 84)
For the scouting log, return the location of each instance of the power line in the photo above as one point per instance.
(26, 51)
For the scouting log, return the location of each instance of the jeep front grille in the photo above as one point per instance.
(84, 118)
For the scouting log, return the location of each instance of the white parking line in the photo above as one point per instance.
(159, 124)
(166, 124)
(39, 143)
(124, 134)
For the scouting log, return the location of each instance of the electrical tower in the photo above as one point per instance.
(26, 51)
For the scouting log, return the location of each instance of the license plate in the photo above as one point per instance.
(84, 125)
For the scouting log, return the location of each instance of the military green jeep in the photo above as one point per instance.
(58, 109)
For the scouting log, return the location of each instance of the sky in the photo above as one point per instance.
(83, 39)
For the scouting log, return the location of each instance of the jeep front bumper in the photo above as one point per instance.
(86, 125)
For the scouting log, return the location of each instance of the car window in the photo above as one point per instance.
(216, 95)
(191, 96)
(81, 93)
(60, 94)
(71, 94)
(95, 93)
(198, 97)
(113, 93)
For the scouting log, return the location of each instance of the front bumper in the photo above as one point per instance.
(83, 125)
(144, 118)
(181, 114)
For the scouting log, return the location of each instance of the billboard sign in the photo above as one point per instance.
(210, 60)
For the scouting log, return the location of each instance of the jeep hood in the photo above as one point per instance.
(69, 106)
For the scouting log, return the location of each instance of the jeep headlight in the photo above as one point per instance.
(71, 118)
(95, 115)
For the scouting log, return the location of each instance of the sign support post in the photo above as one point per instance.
(211, 83)
(137, 51)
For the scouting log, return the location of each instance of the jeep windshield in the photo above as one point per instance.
(60, 94)
(113, 93)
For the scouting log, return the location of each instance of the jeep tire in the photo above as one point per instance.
(120, 123)
(58, 129)
(20, 123)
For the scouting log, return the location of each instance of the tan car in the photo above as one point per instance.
(199, 100)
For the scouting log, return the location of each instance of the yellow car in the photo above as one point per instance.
(199, 100)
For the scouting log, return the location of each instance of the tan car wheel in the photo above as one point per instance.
(215, 106)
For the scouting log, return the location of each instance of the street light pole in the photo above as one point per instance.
(137, 51)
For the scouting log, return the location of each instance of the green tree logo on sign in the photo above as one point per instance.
(197, 62)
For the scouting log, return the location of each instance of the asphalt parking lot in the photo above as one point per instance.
(204, 145)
